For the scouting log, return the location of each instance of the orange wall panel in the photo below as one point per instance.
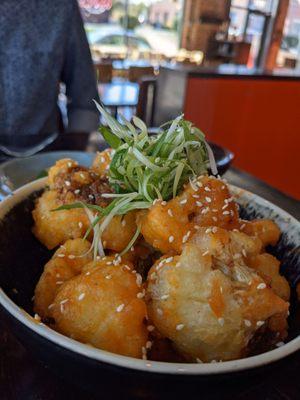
(258, 119)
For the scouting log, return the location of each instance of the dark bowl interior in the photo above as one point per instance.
(22, 258)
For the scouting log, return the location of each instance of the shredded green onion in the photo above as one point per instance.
(146, 167)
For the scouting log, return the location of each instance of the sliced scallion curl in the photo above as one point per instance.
(146, 167)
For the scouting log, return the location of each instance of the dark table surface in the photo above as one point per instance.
(22, 377)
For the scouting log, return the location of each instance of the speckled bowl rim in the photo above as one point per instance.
(132, 363)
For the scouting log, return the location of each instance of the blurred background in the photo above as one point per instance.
(230, 66)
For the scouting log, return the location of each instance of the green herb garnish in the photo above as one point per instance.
(146, 167)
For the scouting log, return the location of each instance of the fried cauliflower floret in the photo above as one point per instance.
(71, 183)
(168, 225)
(209, 302)
(101, 307)
(53, 228)
(66, 262)
(267, 267)
(119, 232)
(102, 161)
(265, 229)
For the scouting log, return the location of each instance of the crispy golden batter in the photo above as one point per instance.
(168, 225)
(209, 302)
(101, 307)
(267, 267)
(102, 161)
(64, 264)
(53, 228)
(265, 229)
(71, 183)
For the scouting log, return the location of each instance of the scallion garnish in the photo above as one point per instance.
(146, 167)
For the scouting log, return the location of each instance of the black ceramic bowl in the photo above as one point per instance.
(22, 259)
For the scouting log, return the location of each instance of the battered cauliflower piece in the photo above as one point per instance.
(66, 262)
(102, 161)
(168, 225)
(209, 302)
(71, 183)
(53, 228)
(265, 229)
(102, 307)
(267, 267)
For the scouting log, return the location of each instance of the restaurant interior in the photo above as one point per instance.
(231, 68)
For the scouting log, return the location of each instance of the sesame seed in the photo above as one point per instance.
(260, 323)
(77, 191)
(171, 239)
(60, 255)
(159, 311)
(120, 307)
(170, 212)
(179, 327)
(67, 183)
(163, 203)
(226, 205)
(196, 196)
(37, 317)
(102, 159)
(154, 202)
(199, 184)
(88, 273)
(186, 236)
(184, 201)
(208, 230)
(164, 297)
(140, 295)
(132, 248)
(215, 219)
(208, 199)
(205, 210)
(261, 286)
(214, 229)
(81, 296)
(199, 204)
(71, 256)
(247, 323)
(244, 253)
(177, 265)
(80, 224)
(225, 212)
(207, 189)
(139, 279)
(50, 306)
(59, 282)
(150, 328)
(108, 277)
(91, 197)
(168, 260)
(69, 164)
(242, 226)
(64, 301)
(221, 321)
(123, 223)
(236, 256)
(81, 175)
(196, 227)
(205, 253)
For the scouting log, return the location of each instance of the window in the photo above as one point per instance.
(115, 27)
(249, 20)
(289, 53)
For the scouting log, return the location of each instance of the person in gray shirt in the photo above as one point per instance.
(43, 43)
